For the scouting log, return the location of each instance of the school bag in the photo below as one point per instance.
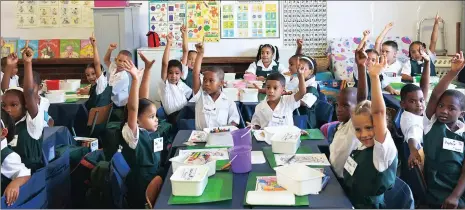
(153, 39)
(98, 195)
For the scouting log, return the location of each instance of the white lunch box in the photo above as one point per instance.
(299, 179)
(189, 180)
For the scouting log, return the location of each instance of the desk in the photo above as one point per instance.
(71, 115)
(332, 196)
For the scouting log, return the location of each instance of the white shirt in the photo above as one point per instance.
(428, 124)
(344, 142)
(101, 83)
(173, 96)
(394, 68)
(384, 83)
(14, 80)
(121, 84)
(412, 127)
(185, 71)
(293, 84)
(12, 167)
(43, 107)
(253, 67)
(383, 154)
(129, 136)
(209, 113)
(407, 66)
(34, 127)
(264, 116)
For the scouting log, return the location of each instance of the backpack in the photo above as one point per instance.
(98, 196)
(153, 39)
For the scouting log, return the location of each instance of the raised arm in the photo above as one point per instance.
(185, 48)
(302, 89)
(166, 57)
(145, 84)
(457, 65)
(378, 108)
(360, 59)
(424, 81)
(133, 100)
(97, 66)
(379, 40)
(11, 62)
(29, 95)
(362, 44)
(106, 59)
(300, 43)
(198, 64)
(434, 34)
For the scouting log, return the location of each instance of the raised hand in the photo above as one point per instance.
(438, 18)
(366, 33)
(183, 30)
(93, 41)
(146, 61)
(389, 26)
(27, 55)
(424, 55)
(112, 46)
(361, 56)
(12, 59)
(458, 62)
(301, 69)
(131, 68)
(169, 38)
(378, 66)
(200, 48)
(300, 42)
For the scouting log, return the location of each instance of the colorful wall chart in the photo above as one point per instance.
(307, 19)
(203, 21)
(167, 17)
(254, 19)
(64, 13)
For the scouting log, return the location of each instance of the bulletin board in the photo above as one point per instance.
(249, 19)
(54, 14)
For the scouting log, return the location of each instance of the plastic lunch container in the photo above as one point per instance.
(299, 179)
(178, 161)
(189, 180)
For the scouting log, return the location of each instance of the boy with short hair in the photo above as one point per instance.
(389, 49)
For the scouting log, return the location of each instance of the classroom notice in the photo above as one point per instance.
(69, 48)
(49, 48)
(33, 44)
(167, 17)
(10, 46)
(203, 21)
(251, 19)
(87, 51)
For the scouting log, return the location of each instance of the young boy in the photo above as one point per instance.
(173, 92)
(212, 107)
(188, 59)
(444, 142)
(14, 172)
(389, 49)
(9, 77)
(412, 100)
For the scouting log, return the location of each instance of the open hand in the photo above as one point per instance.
(129, 67)
(378, 66)
(12, 59)
(148, 63)
(458, 62)
(11, 193)
(361, 56)
(366, 33)
(424, 55)
(112, 46)
(93, 41)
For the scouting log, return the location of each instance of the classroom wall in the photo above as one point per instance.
(345, 19)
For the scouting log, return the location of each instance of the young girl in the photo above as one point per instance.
(173, 92)
(212, 106)
(443, 143)
(277, 110)
(24, 109)
(415, 66)
(141, 143)
(371, 169)
(265, 64)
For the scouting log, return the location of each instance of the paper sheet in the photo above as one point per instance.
(218, 154)
(268, 183)
(258, 157)
(198, 136)
(307, 159)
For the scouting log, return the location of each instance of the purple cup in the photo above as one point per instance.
(241, 137)
(243, 159)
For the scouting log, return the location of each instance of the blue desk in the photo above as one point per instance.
(71, 115)
(332, 196)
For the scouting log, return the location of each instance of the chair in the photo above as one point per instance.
(98, 116)
(301, 121)
(58, 181)
(119, 169)
(331, 131)
(399, 197)
(324, 112)
(32, 195)
(186, 124)
(153, 189)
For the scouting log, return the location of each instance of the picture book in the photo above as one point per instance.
(49, 48)
(69, 48)
(268, 183)
(33, 44)
(87, 51)
(10, 46)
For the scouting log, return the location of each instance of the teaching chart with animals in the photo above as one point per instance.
(250, 19)
(203, 21)
(51, 14)
(305, 20)
(167, 17)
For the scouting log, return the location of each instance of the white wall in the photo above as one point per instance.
(345, 19)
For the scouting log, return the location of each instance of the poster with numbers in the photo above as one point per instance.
(203, 21)
(307, 20)
(167, 17)
(249, 19)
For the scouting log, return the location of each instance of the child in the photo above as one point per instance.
(415, 66)
(389, 49)
(141, 143)
(310, 80)
(188, 59)
(44, 103)
(212, 106)
(24, 109)
(265, 64)
(412, 100)
(370, 170)
(9, 72)
(173, 92)
(277, 110)
(443, 142)
(344, 140)
(14, 172)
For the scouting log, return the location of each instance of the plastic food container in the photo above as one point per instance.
(229, 76)
(285, 142)
(299, 179)
(189, 180)
(250, 77)
(55, 96)
(248, 95)
(231, 93)
(178, 162)
(250, 84)
(70, 84)
(270, 131)
(52, 84)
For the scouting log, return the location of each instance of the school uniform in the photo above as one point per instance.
(411, 126)
(370, 172)
(259, 69)
(209, 113)
(443, 163)
(310, 98)
(142, 153)
(396, 67)
(383, 79)
(415, 68)
(173, 97)
(187, 76)
(28, 140)
(264, 116)
(14, 80)
(12, 167)
(99, 94)
(344, 142)
(120, 83)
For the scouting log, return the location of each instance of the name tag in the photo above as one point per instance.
(158, 144)
(452, 145)
(277, 119)
(209, 109)
(350, 166)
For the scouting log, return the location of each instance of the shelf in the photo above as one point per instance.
(60, 61)
(228, 60)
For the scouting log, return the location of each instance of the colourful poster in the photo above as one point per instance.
(87, 51)
(33, 44)
(49, 48)
(167, 17)
(176, 17)
(203, 21)
(10, 46)
(69, 48)
(158, 19)
(227, 20)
